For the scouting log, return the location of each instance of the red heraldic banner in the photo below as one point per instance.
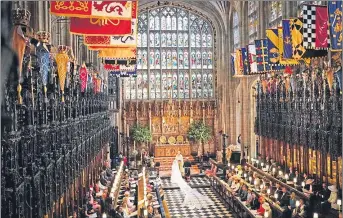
(99, 26)
(103, 26)
(87, 9)
(322, 18)
(116, 40)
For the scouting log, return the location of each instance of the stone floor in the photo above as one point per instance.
(175, 198)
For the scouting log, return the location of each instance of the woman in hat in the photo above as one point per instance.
(260, 210)
(333, 197)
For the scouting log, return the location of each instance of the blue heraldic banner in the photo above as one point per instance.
(245, 61)
(262, 56)
(335, 19)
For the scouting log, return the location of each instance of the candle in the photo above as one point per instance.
(297, 203)
(315, 215)
(255, 182)
(268, 191)
(267, 166)
(261, 186)
(286, 177)
(104, 215)
(295, 180)
(250, 178)
(257, 161)
(280, 172)
(245, 175)
(339, 202)
(262, 164)
(303, 184)
(273, 170)
(228, 164)
(275, 196)
(233, 167)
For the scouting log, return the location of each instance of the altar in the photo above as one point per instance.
(171, 150)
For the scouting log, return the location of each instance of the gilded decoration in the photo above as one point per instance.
(156, 125)
(169, 123)
(171, 151)
(184, 124)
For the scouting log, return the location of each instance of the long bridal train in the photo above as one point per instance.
(193, 199)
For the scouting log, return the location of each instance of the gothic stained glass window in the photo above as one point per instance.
(235, 24)
(174, 57)
(275, 16)
(253, 20)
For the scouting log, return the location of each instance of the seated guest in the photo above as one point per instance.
(244, 193)
(129, 204)
(126, 210)
(324, 193)
(279, 175)
(241, 183)
(300, 210)
(227, 177)
(291, 174)
(254, 203)
(272, 165)
(96, 205)
(249, 196)
(235, 185)
(292, 202)
(89, 212)
(150, 199)
(278, 189)
(232, 177)
(332, 201)
(260, 210)
(150, 211)
(118, 213)
(305, 177)
(284, 199)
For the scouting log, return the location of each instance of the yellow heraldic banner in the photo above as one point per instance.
(123, 53)
(282, 60)
(296, 25)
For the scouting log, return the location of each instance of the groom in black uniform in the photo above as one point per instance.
(187, 165)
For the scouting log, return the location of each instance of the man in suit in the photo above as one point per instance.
(278, 190)
(324, 193)
(150, 212)
(254, 204)
(300, 210)
(291, 174)
(244, 193)
(284, 199)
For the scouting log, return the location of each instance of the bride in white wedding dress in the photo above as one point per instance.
(193, 199)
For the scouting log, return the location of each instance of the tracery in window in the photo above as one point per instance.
(235, 24)
(174, 56)
(253, 20)
(275, 16)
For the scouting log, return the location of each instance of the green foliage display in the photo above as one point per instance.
(199, 132)
(141, 134)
